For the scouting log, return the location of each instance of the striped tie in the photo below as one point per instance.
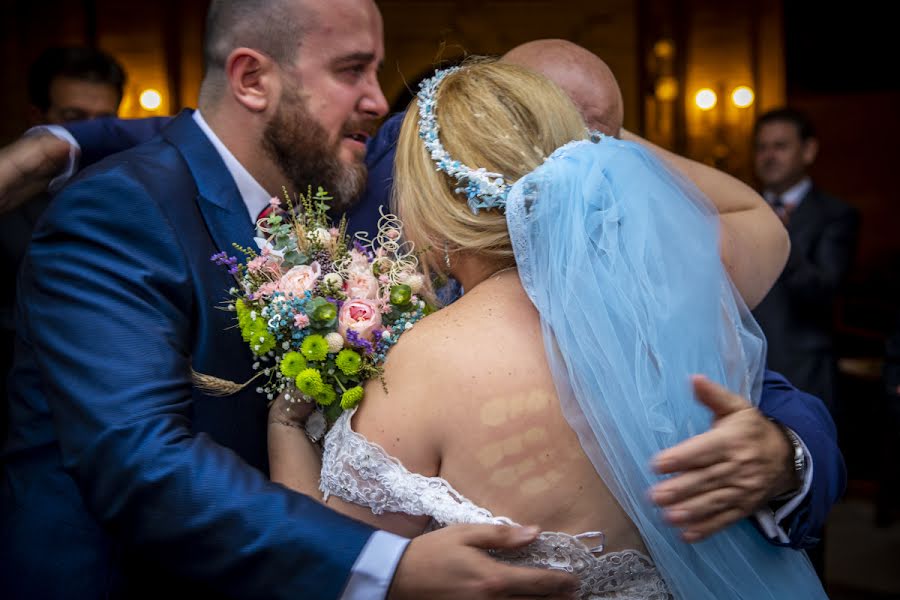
(778, 206)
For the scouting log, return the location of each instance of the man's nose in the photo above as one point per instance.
(373, 101)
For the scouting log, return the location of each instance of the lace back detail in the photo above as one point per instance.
(359, 471)
(362, 472)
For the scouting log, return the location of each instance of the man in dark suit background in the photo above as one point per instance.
(797, 314)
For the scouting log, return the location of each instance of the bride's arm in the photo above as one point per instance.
(402, 424)
(293, 459)
(754, 243)
(295, 462)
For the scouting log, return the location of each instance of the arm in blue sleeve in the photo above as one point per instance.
(99, 138)
(808, 417)
(109, 303)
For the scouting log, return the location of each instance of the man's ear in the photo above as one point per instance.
(810, 150)
(252, 78)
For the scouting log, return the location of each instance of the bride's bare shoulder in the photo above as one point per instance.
(476, 335)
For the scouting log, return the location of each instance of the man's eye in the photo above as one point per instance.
(73, 115)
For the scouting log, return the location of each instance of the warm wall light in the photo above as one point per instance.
(705, 99)
(666, 89)
(664, 49)
(150, 99)
(742, 96)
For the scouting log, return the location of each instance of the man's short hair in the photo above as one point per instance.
(787, 115)
(83, 64)
(274, 27)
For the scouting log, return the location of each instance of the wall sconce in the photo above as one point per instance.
(742, 96)
(724, 124)
(150, 99)
(666, 89)
(705, 99)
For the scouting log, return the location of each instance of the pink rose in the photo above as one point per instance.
(300, 279)
(301, 320)
(361, 285)
(360, 316)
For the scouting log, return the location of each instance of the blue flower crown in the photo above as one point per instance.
(482, 188)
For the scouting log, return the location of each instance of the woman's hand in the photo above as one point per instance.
(291, 413)
(294, 460)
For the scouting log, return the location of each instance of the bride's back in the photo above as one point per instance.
(473, 390)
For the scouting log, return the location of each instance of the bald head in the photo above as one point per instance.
(581, 74)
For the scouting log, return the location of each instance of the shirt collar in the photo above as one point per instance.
(793, 195)
(252, 193)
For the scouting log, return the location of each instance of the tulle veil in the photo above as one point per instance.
(619, 255)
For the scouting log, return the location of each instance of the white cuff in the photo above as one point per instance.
(770, 520)
(74, 153)
(374, 568)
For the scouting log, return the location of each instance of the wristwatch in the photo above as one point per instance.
(798, 460)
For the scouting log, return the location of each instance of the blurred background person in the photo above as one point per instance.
(72, 84)
(797, 315)
(64, 84)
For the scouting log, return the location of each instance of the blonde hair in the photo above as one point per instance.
(491, 114)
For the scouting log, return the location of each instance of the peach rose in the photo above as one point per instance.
(300, 279)
(361, 285)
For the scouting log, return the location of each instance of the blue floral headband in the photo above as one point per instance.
(482, 188)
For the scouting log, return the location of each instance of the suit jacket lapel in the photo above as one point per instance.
(805, 212)
(218, 197)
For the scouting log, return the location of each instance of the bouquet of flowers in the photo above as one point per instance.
(320, 310)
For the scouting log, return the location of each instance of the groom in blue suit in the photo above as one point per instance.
(795, 519)
(123, 480)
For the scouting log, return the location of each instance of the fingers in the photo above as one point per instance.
(26, 167)
(690, 484)
(715, 397)
(449, 563)
(498, 537)
(708, 513)
(702, 507)
(530, 582)
(694, 453)
(700, 530)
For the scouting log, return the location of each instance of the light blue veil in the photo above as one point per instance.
(620, 256)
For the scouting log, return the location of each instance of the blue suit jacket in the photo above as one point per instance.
(781, 401)
(121, 478)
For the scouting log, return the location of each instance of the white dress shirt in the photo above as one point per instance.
(374, 568)
(792, 196)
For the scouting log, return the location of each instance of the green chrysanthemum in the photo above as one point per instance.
(309, 381)
(261, 341)
(327, 396)
(314, 347)
(348, 361)
(292, 364)
(351, 397)
(244, 321)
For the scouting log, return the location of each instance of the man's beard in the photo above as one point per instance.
(298, 145)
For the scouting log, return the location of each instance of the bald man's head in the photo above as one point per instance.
(581, 74)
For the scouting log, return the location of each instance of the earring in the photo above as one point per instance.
(446, 257)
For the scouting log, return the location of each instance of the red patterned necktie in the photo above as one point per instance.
(264, 213)
(778, 206)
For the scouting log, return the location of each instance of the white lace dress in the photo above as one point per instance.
(359, 471)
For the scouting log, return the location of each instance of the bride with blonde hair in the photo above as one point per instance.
(597, 282)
